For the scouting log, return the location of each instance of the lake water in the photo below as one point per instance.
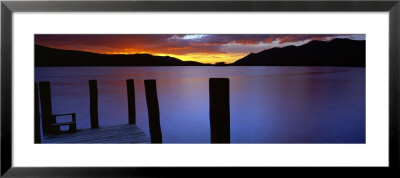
(268, 104)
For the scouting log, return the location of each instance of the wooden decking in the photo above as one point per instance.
(127, 133)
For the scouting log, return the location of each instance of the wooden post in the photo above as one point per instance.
(153, 111)
(38, 137)
(45, 103)
(94, 115)
(219, 110)
(130, 86)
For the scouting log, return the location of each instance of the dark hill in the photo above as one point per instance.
(337, 52)
(45, 56)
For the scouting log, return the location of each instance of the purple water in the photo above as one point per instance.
(268, 104)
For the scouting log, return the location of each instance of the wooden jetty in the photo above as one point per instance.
(127, 133)
(52, 133)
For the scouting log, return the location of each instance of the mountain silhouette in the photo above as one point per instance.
(45, 56)
(337, 52)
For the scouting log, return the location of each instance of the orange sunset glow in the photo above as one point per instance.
(204, 48)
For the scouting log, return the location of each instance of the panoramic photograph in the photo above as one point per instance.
(200, 88)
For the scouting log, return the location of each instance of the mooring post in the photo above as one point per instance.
(153, 111)
(219, 110)
(38, 138)
(94, 115)
(130, 86)
(45, 103)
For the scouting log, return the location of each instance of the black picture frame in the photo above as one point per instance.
(8, 7)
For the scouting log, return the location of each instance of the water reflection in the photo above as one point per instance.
(268, 104)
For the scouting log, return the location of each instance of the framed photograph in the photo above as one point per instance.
(158, 88)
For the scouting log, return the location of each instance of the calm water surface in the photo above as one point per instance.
(268, 104)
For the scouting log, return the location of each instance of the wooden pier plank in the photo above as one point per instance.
(130, 86)
(153, 111)
(94, 105)
(38, 137)
(127, 133)
(219, 110)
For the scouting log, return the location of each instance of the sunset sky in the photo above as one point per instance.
(204, 48)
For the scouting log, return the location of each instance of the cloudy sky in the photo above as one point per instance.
(207, 48)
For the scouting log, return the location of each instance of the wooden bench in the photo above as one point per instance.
(49, 120)
(56, 127)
